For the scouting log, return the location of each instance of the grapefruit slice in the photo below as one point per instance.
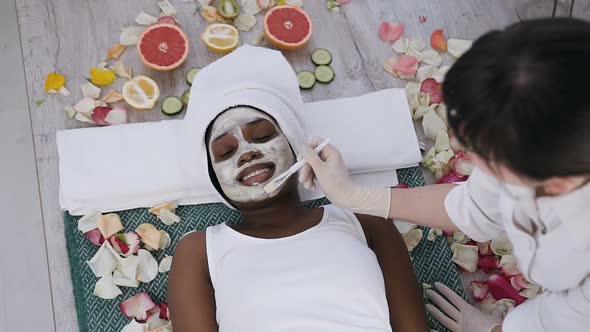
(221, 37)
(287, 27)
(163, 46)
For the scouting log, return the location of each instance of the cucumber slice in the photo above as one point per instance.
(324, 74)
(185, 96)
(306, 79)
(321, 57)
(172, 106)
(190, 75)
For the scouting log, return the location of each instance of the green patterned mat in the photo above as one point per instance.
(432, 260)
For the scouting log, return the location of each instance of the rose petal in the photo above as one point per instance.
(120, 280)
(130, 35)
(418, 44)
(99, 114)
(264, 4)
(400, 46)
(103, 262)
(402, 66)
(432, 125)
(404, 226)
(451, 177)
(479, 289)
(90, 90)
(147, 270)
(500, 288)
(488, 263)
(115, 51)
(431, 57)
(128, 267)
(95, 237)
(438, 41)
(501, 245)
(497, 308)
(165, 264)
(413, 238)
(54, 81)
(445, 156)
(105, 288)
(245, 22)
(109, 224)
(155, 323)
(89, 221)
(168, 217)
(134, 326)
(112, 97)
(137, 306)
(83, 117)
(457, 47)
(149, 235)
(390, 31)
(465, 256)
(412, 92)
(530, 293)
(122, 71)
(295, 3)
(484, 248)
(509, 265)
(462, 164)
(210, 14)
(250, 7)
(116, 116)
(431, 87)
(442, 142)
(165, 240)
(144, 18)
(433, 233)
(167, 8)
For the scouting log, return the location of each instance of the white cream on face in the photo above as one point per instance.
(277, 151)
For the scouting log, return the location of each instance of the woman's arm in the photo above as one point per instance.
(404, 296)
(190, 292)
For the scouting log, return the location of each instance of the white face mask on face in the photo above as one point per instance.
(240, 180)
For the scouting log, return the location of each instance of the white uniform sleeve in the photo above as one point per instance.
(553, 311)
(474, 207)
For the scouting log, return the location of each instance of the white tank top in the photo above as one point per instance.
(323, 279)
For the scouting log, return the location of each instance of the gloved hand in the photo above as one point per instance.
(333, 178)
(458, 315)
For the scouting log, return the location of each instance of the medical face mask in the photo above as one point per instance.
(247, 150)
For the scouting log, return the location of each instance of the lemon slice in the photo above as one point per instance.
(220, 37)
(141, 93)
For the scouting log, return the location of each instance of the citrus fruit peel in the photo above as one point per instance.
(220, 37)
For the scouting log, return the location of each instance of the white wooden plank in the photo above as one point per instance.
(24, 281)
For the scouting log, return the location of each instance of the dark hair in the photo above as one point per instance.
(520, 97)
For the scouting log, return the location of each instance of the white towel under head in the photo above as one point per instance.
(145, 164)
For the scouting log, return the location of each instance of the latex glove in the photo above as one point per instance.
(333, 178)
(458, 315)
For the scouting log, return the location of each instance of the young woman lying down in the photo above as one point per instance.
(286, 267)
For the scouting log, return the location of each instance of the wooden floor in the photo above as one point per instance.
(71, 36)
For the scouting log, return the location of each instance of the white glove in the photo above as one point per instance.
(458, 315)
(333, 178)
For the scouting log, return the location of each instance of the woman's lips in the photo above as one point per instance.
(256, 174)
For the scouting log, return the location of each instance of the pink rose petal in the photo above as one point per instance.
(137, 306)
(390, 31)
(484, 248)
(402, 66)
(264, 4)
(343, 2)
(451, 177)
(479, 289)
(402, 185)
(431, 87)
(95, 237)
(99, 114)
(488, 263)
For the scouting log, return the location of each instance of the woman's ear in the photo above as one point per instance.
(559, 185)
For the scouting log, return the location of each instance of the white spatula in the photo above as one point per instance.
(277, 182)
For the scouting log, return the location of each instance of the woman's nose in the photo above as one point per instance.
(249, 157)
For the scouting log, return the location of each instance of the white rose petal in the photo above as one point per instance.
(121, 280)
(445, 156)
(130, 35)
(404, 226)
(250, 7)
(417, 44)
(433, 233)
(457, 47)
(400, 46)
(103, 262)
(433, 125)
(155, 323)
(245, 22)
(501, 245)
(88, 222)
(148, 266)
(165, 264)
(106, 289)
(144, 18)
(167, 8)
(431, 57)
(165, 240)
(90, 90)
(134, 326)
(425, 72)
(128, 267)
(439, 74)
(413, 238)
(465, 256)
(168, 217)
(442, 142)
